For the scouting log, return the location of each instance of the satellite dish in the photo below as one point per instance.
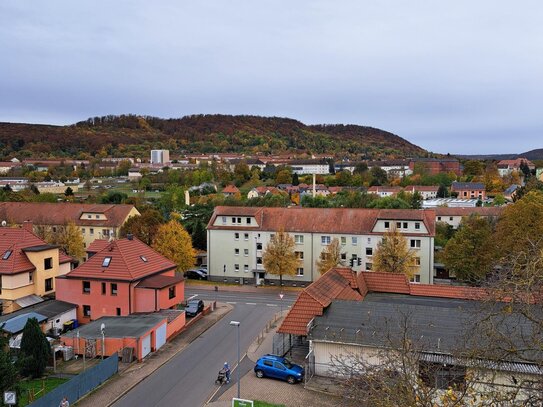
(4, 223)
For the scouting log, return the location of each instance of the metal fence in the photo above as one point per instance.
(81, 384)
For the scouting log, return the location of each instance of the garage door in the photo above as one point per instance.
(146, 345)
(161, 336)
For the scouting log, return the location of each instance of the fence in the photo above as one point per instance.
(81, 384)
(269, 326)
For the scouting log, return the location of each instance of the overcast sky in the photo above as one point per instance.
(458, 76)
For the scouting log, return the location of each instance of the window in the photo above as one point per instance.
(299, 239)
(398, 225)
(417, 261)
(354, 241)
(417, 278)
(246, 236)
(236, 267)
(325, 240)
(246, 252)
(91, 231)
(6, 255)
(387, 225)
(86, 311)
(103, 288)
(239, 220)
(105, 232)
(224, 220)
(118, 312)
(106, 262)
(246, 268)
(417, 225)
(236, 252)
(259, 246)
(171, 292)
(268, 363)
(369, 266)
(83, 230)
(369, 251)
(86, 287)
(442, 376)
(248, 221)
(439, 218)
(236, 236)
(369, 240)
(343, 256)
(113, 288)
(97, 216)
(233, 220)
(343, 240)
(89, 216)
(415, 243)
(143, 259)
(299, 255)
(48, 284)
(54, 229)
(259, 260)
(450, 218)
(405, 225)
(48, 263)
(300, 271)
(31, 277)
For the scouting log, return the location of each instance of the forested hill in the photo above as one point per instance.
(130, 135)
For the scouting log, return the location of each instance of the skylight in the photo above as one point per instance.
(144, 258)
(106, 262)
(7, 254)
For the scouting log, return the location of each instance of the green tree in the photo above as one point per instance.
(123, 167)
(144, 226)
(393, 255)
(279, 257)
(8, 372)
(242, 173)
(444, 232)
(442, 191)
(330, 257)
(114, 197)
(35, 350)
(473, 168)
(360, 168)
(295, 179)
(470, 253)
(378, 176)
(69, 192)
(199, 236)
(283, 176)
(174, 243)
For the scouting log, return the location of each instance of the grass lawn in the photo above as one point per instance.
(36, 385)
(264, 404)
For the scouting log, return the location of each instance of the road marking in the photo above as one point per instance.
(250, 303)
(231, 302)
(271, 305)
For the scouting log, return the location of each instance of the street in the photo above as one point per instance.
(189, 378)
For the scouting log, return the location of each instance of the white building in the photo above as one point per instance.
(160, 156)
(237, 238)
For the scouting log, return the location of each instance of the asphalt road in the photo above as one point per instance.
(188, 379)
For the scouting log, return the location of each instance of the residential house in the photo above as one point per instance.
(453, 216)
(434, 166)
(507, 167)
(426, 191)
(96, 221)
(6, 167)
(123, 278)
(384, 191)
(237, 238)
(262, 191)
(469, 190)
(510, 193)
(28, 267)
(230, 190)
(134, 174)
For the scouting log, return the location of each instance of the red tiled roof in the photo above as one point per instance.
(126, 262)
(97, 245)
(230, 189)
(64, 258)
(160, 281)
(386, 282)
(322, 220)
(41, 213)
(446, 291)
(16, 240)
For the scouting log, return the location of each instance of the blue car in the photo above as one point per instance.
(278, 368)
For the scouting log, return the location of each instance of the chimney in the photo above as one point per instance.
(130, 236)
(27, 225)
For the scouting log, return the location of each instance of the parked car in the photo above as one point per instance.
(196, 274)
(194, 307)
(278, 367)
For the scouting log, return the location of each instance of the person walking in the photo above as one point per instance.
(64, 402)
(227, 372)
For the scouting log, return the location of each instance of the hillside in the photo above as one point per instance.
(532, 155)
(135, 135)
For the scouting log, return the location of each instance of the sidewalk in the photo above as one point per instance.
(270, 390)
(200, 285)
(120, 384)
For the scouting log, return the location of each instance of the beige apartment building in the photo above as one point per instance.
(237, 238)
(28, 267)
(96, 221)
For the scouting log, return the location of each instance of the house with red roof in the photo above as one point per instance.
(230, 190)
(124, 277)
(28, 268)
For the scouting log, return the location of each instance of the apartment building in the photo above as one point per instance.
(237, 238)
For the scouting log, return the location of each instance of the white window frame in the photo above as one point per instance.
(325, 240)
(415, 243)
(299, 239)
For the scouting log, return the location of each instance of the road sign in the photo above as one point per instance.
(10, 398)
(281, 295)
(242, 403)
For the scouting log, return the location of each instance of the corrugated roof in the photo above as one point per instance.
(129, 260)
(17, 323)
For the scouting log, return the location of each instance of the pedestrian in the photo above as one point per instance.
(227, 372)
(64, 402)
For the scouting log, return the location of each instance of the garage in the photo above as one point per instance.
(146, 345)
(160, 336)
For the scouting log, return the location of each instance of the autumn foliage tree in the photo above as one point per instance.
(173, 242)
(279, 257)
(71, 240)
(393, 254)
(330, 256)
(144, 226)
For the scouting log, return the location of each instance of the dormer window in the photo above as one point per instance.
(106, 262)
(7, 254)
(143, 258)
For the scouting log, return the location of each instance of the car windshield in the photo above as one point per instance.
(287, 364)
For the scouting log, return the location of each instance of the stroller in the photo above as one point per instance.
(221, 377)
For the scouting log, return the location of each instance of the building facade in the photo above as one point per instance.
(469, 190)
(237, 239)
(160, 156)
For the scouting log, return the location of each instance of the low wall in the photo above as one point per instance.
(81, 384)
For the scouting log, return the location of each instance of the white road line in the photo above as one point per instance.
(271, 305)
(231, 302)
(250, 303)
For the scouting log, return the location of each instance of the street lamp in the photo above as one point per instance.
(237, 324)
(103, 329)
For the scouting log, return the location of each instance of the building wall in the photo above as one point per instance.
(145, 300)
(164, 300)
(176, 325)
(41, 274)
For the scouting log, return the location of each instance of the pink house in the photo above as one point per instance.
(123, 278)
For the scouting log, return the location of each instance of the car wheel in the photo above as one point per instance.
(259, 374)
(291, 380)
